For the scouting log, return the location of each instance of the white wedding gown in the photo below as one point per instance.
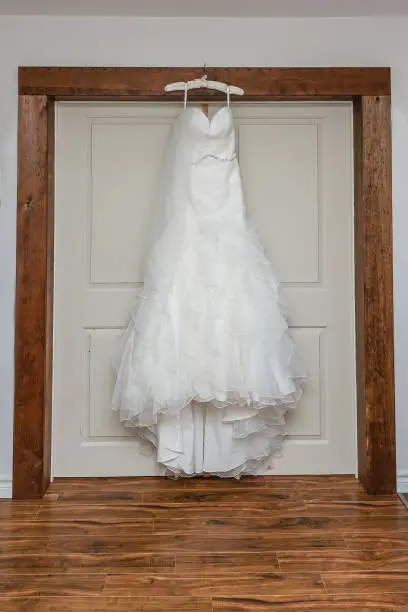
(207, 369)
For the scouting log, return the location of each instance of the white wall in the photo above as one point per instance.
(105, 41)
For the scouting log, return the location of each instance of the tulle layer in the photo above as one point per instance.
(215, 336)
(202, 441)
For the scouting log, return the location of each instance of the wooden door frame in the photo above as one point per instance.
(370, 91)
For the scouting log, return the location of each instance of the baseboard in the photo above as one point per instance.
(6, 487)
(402, 481)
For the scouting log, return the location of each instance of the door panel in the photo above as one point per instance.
(297, 171)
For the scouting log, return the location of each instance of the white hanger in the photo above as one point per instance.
(204, 83)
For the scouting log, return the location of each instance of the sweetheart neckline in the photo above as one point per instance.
(203, 114)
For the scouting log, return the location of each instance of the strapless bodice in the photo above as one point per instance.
(214, 184)
(213, 137)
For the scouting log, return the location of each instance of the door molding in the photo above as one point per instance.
(370, 91)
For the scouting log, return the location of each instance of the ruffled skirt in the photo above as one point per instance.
(207, 368)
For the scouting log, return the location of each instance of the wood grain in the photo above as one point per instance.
(68, 486)
(46, 562)
(220, 496)
(193, 541)
(395, 540)
(230, 562)
(80, 527)
(18, 511)
(148, 83)
(33, 315)
(107, 604)
(363, 505)
(220, 585)
(371, 582)
(310, 523)
(334, 603)
(37, 585)
(342, 560)
(374, 294)
(84, 549)
(129, 511)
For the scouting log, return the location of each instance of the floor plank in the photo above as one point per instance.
(210, 586)
(193, 541)
(24, 546)
(228, 523)
(45, 528)
(371, 582)
(107, 604)
(236, 563)
(355, 602)
(87, 563)
(396, 540)
(362, 507)
(37, 585)
(221, 496)
(15, 511)
(130, 511)
(342, 560)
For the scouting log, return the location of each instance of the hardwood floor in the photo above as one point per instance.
(267, 543)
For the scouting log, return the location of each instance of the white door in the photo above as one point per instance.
(296, 161)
